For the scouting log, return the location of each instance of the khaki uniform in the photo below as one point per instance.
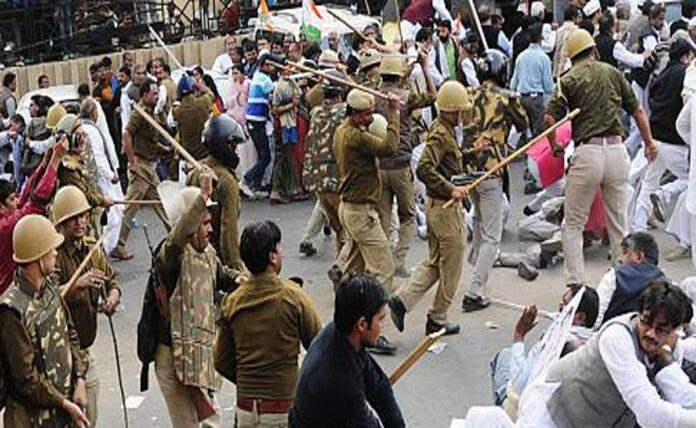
(225, 236)
(37, 327)
(441, 159)
(190, 119)
(263, 324)
(495, 111)
(357, 151)
(184, 360)
(172, 94)
(142, 177)
(320, 172)
(315, 96)
(74, 170)
(601, 92)
(372, 81)
(395, 171)
(83, 306)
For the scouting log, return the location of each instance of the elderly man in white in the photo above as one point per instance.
(106, 163)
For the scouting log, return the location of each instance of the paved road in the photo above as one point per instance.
(439, 388)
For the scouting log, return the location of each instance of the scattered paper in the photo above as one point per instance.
(492, 325)
(134, 401)
(458, 423)
(437, 347)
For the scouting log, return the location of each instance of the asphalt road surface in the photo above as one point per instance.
(437, 389)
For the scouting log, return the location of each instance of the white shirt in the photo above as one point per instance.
(624, 56)
(223, 64)
(126, 106)
(162, 100)
(605, 291)
(100, 151)
(631, 379)
(684, 125)
(548, 38)
(470, 72)
(441, 10)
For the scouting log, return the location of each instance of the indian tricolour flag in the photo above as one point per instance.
(265, 16)
(310, 16)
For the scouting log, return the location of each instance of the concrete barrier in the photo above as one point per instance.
(76, 71)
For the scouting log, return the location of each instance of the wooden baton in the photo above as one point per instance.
(415, 355)
(516, 154)
(346, 23)
(71, 282)
(137, 202)
(344, 82)
(168, 137)
(164, 46)
(514, 306)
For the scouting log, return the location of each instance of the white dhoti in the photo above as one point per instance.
(114, 216)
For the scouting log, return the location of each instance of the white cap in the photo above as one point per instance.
(522, 7)
(538, 9)
(692, 23)
(591, 7)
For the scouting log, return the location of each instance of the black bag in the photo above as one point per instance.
(148, 325)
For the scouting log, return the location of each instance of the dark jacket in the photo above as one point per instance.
(605, 46)
(666, 102)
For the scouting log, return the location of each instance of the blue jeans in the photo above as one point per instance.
(500, 372)
(257, 131)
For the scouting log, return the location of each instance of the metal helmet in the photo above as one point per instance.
(54, 115)
(68, 124)
(328, 59)
(393, 66)
(69, 202)
(328, 85)
(33, 237)
(220, 136)
(176, 199)
(369, 58)
(185, 85)
(453, 97)
(493, 66)
(378, 127)
(579, 41)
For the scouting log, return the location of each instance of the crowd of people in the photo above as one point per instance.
(387, 136)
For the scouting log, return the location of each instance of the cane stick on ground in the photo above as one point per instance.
(516, 154)
(137, 202)
(516, 307)
(71, 282)
(344, 82)
(415, 355)
(179, 148)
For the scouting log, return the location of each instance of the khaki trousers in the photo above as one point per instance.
(446, 242)
(182, 412)
(398, 183)
(591, 166)
(92, 383)
(253, 419)
(138, 188)
(366, 248)
(329, 202)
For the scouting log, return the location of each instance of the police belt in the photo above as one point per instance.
(264, 406)
(603, 141)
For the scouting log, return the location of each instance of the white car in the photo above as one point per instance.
(64, 94)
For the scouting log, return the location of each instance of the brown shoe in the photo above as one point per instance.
(120, 255)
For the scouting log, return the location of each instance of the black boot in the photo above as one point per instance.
(433, 327)
(398, 312)
(382, 346)
(471, 304)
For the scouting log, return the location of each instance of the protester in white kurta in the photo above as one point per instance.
(106, 162)
(686, 122)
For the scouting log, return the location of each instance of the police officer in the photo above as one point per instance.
(220, 139)
(395, 170)
(600, 92)
(192, 274)
(75, 168)
(320, 173)
(70, 214)
(495, 110)
(357, 152)
(141, 145)
(369, 68)
(44, 368)
(190, 116)
(441, 159)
